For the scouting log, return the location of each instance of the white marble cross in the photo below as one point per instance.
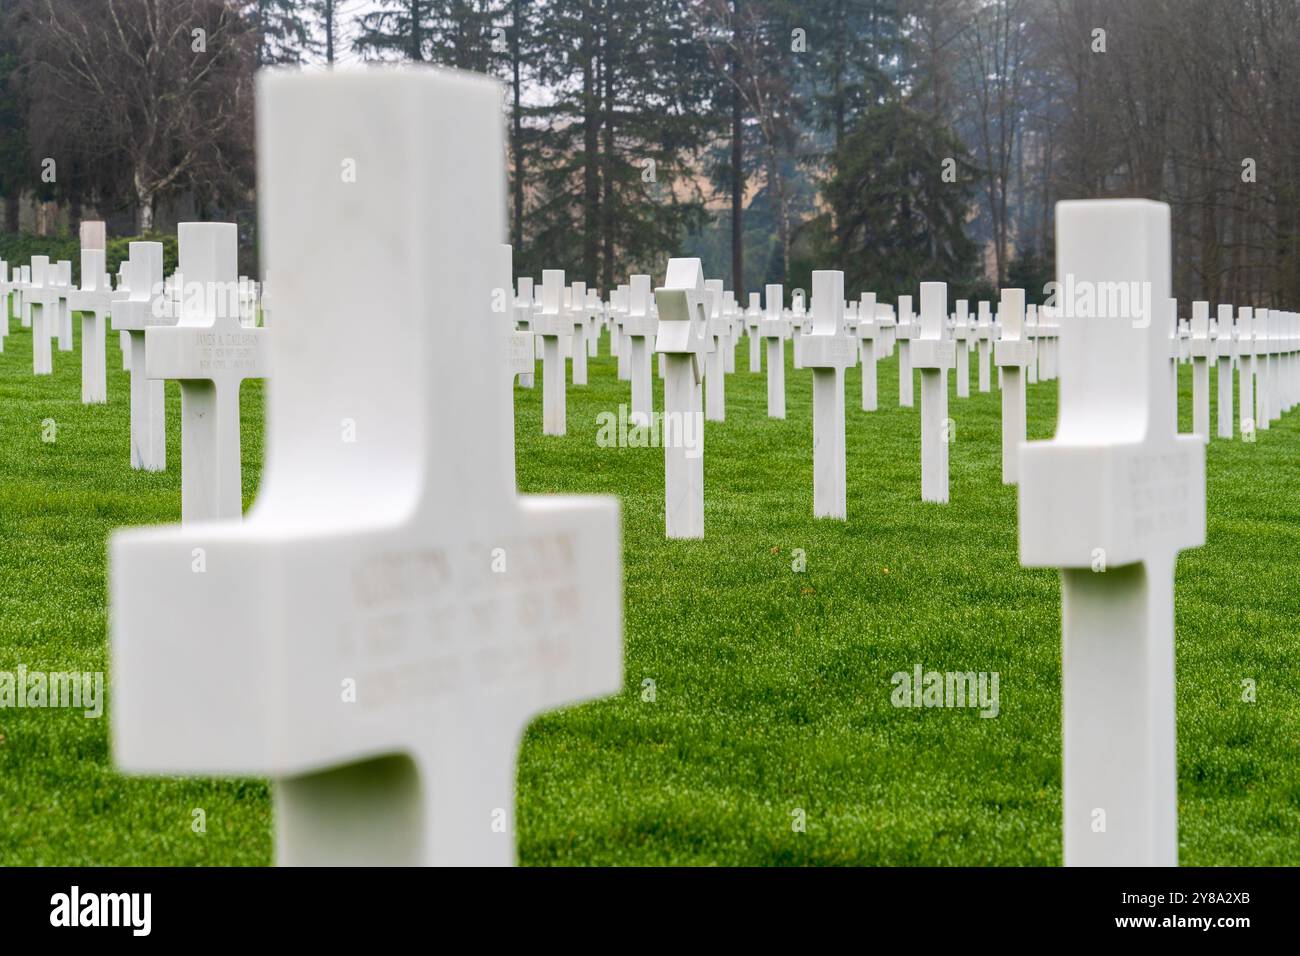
(1012, 354)
(60, 282)
(639, 330)
(753, 314)
(521, 351)
(40, 300)
(798, 326)
(962, 333)
(22, 305)
(135, 314)
(391, 613)
(682, 340)
(984, 343)
(92, 301)
(735, 320)
(1111, 500)
(1049, 329)
(595, 322)
(1031, 336)
(1202, 350)
(553, 324)
(715, 373)
(121, 292)
(886, 327)
(1292, 346)
(1246, 371)
(934, 353)
(1263, 326)
(905, 332)
(828, 352)
(774, 329)
(866, 333)
(6, 288)
(1172, 346)
(1223, 352)
(210, 352)
(578, 316)
(523, 316)
(619, 344)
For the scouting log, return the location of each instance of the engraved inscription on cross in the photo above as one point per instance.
(1111, 500)
(378, 632)
(210, 352)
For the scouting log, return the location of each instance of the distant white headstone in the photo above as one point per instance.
(905, 332)
(867, 331)
(135, 314)
(934, 353)
(93, 301)
(1246, 367)
(1012, 355)
(6, 290)
(1224, 352)
(715, 373)
(60, 277)
(1263, 326)
(828, 352)
(638, 330)
(578, 316)
(523, 316)
(753, 314)
(961, 334)
(553, 324)
(984, 344)
(775, 330)
(40, 300)
(1201, 350)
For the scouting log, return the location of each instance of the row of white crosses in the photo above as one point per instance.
(1265, 346)
(405, 613)
(210, 351)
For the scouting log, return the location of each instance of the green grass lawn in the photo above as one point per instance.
(772, 687)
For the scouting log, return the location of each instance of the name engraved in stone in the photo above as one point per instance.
(1159, 491)
(433, 623)
(225, 350)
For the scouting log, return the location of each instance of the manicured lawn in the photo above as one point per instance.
(771, 686)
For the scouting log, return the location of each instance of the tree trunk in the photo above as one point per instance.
(74, 214)
(591, 116)
(416, 51)
(329, 32)
(737, 167)
(144, 199)
(607, 91)
(517, 133)
(776, 181)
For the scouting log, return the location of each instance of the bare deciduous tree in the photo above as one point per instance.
(161, 87)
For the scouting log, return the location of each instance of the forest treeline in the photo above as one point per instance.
(898, 140)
